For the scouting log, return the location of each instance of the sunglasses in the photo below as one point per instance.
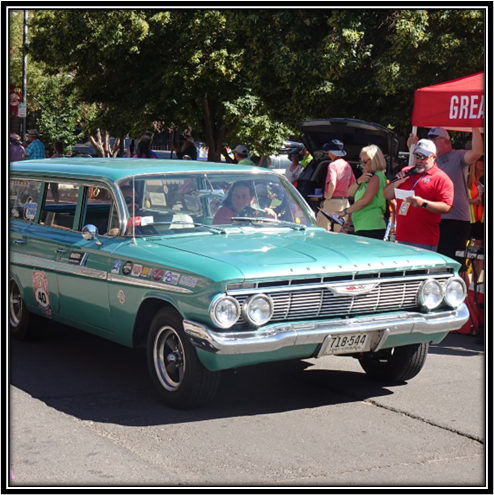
(365, 162)
(419, 156)
(129, 200)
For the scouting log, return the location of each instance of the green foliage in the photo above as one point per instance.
(58, 112)
(250, 75)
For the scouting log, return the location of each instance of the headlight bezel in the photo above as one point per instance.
(213, 311)
(246, 307)
(422, 297)
(447, 285)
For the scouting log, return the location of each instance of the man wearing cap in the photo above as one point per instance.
(431, 195)
(455, 225)
(36, 149)
(242, 155)
(340, 176)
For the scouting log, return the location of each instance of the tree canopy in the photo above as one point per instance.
(249, 75)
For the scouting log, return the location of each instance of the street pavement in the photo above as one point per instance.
(82, 413)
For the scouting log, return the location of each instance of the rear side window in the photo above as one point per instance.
(100, 211)
(60, 205)
(24, 199)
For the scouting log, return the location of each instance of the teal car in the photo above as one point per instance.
(211, 267)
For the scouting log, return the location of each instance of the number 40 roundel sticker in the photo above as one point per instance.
(41, 292)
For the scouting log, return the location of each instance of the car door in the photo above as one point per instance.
(83, 276)
(32, 250)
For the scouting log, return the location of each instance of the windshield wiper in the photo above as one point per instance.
(194, 224)
(296, 226)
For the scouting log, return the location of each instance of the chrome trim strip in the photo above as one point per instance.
(277, 336)
(120, 279)
(56, 266)
(84, 271)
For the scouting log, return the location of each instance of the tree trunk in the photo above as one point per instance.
(101, 143)
(214, 135)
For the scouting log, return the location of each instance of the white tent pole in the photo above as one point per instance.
(412, 147)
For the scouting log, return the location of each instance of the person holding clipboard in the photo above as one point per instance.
(422, 197)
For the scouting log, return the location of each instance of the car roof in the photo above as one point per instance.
(115, 169)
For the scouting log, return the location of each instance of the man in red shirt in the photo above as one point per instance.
(431, 195)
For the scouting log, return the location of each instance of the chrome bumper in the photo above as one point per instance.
(279, 335)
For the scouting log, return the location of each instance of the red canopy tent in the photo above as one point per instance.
(456, 105)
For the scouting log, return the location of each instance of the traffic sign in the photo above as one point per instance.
(22, 110)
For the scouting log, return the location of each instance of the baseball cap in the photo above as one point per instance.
(438, 132)
(241, 150)
(426, 147)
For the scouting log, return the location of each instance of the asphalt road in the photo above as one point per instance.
(82, 413)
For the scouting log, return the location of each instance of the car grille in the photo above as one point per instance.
(321, 302)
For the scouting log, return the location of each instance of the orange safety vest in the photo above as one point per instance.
(476, 211)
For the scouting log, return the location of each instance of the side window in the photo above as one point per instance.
(24, 199)
(100, 210)
(60, 205)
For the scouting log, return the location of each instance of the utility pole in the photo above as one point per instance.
(24, 77)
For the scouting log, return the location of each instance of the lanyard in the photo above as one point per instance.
(415, 183)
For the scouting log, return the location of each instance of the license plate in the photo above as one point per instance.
(347, 343)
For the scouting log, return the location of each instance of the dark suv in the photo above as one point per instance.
(355, 134)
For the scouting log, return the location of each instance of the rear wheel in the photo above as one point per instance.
(23, 324)
(396, 364)
(176, 371)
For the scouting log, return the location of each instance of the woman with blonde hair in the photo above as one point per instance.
(367, 212)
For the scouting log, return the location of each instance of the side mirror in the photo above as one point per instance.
(90, 233)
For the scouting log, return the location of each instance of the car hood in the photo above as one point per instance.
(313, 252)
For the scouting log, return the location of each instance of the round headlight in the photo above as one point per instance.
(225, 312)
(455, 292)
(258, 309)
(430, 294)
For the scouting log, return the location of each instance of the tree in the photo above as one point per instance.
(250, 75)
(194, 74)
(356, 63)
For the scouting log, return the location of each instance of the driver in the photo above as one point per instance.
(241, 195)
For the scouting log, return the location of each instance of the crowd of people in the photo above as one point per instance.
(436, 203)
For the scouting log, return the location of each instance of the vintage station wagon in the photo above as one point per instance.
(214, 266)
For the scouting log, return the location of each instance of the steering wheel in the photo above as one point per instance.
(252, 211)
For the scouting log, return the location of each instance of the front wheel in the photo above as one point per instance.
(396, 364)
(176, 371)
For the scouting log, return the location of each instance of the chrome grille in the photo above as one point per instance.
(307, 303)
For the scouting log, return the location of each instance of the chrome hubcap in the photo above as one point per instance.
(169, 359)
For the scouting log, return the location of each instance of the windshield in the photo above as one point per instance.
(209, 202)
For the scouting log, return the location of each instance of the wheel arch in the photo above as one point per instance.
(145, 314)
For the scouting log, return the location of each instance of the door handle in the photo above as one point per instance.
(61, 251)
(19, 241)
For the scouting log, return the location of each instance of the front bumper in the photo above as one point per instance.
(385, 328)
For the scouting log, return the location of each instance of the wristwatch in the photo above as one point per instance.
(424, 204)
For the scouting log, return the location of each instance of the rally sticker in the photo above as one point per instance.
(158, 274)
(136, 271)
(41, 292)
(78, 258)
(145, 272)
(127, 268)
(121, 296)
(30, 209)
(116, 266)
(171, 278)
(189, 281)
(426, 180)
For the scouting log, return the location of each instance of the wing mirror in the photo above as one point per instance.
(90, 233)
